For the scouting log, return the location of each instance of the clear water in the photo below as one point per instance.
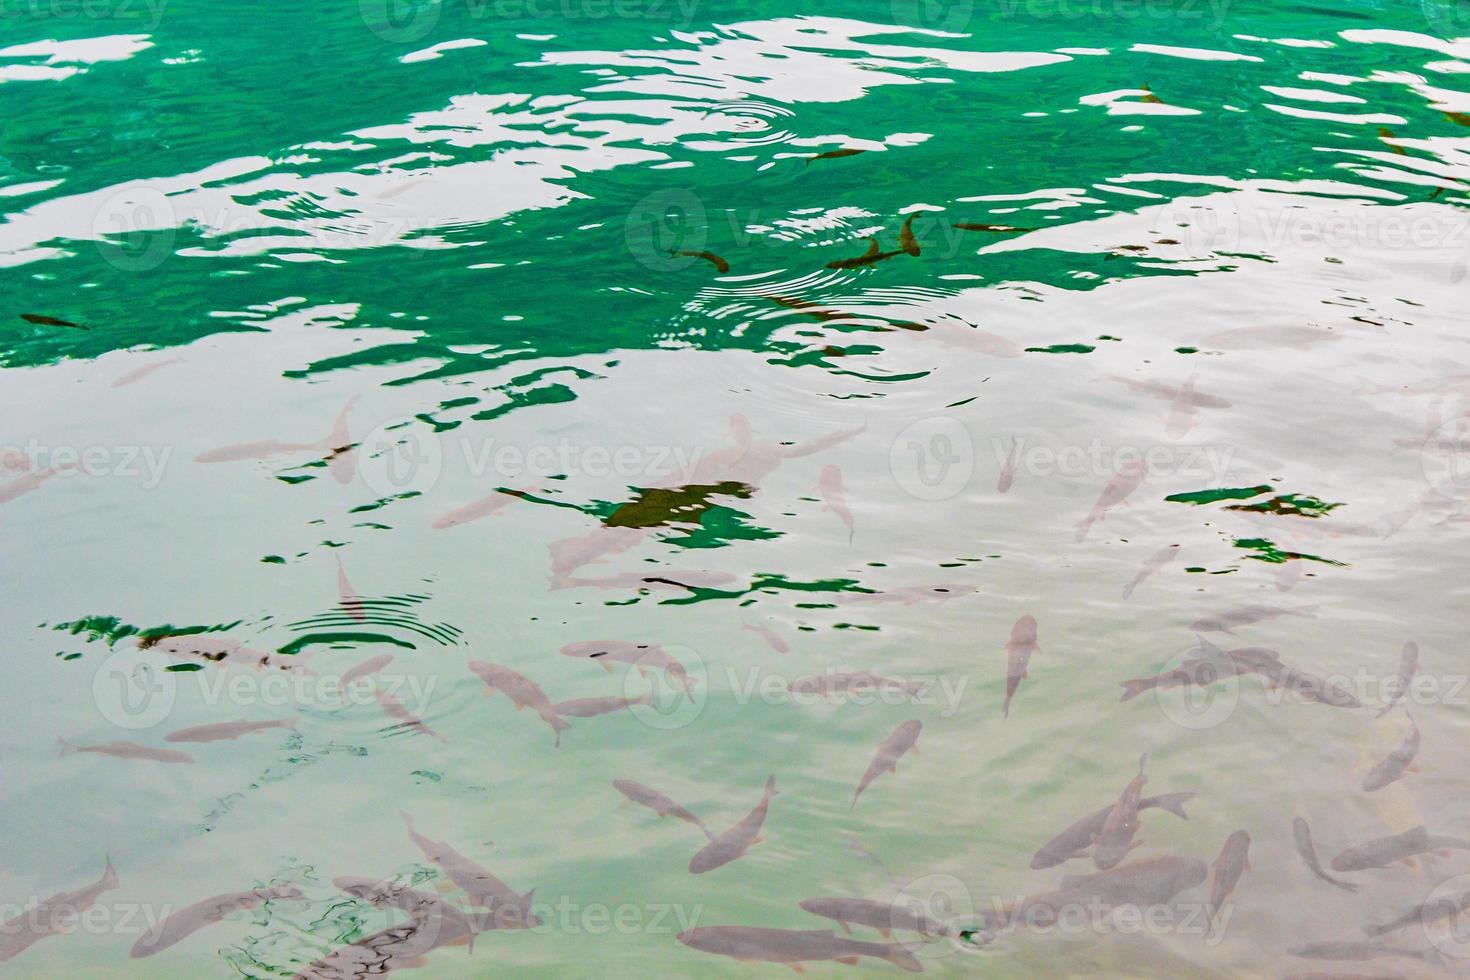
(451, 225)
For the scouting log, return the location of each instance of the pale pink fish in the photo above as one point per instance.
(53, 916)
(643, 656)
(15, 461)
(593, 707)
(1129, 478)
(225, 730)
(750, 462)
(24, 484)
(1155, 562)
(1168, 393)
(139, 373)
(570, 554)
(127, 750)
(264, 449)
(910, 594)
(512, 909)
(965, 336)
(890, 750)
(834, 497)
(485, 507)
(769, 635)
(216, 649)
(1115, 840)
(733, 843)
(658, 803)
(347, 596)
(190, 919)
(1265, 338)
(522, 691)
(1019, 649)
(669, 581)
(369, 666)
(1183, 415)
(1008, 468)
(407, 720)
(342, 452)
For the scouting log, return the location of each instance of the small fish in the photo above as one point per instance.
(407, 720)
(844, 682)
(512, 909)
(254, 450)
(523, 693)
(341, 456)
(1128, 479)
(872, 255)
(792, 947)
(1458, 118)
(1422, 915)
(347, 596)
(1408, 667)
(1358, 951)
(890, 750)
(127, 750)
(734, 842)
(41, 320)
(1392, 768)
(51, 916)
(995, 229)
(593, 707)
(1234, 861)
(1155, 562)
(24, 484)
(225, 730)
(369, 666)
(1008, 468)
(835, 154)
(1386, 134)
(1302, 835)
(220, 650)
(1076, 839)
(1149, 96)
(1019, 649)
(1383, 851)
(769, 635)
(139, 373)
(658, 803)
(720, 264)
(1196, 671)
(1228, 621)
(907, 243)
(883, 916)
(1308, 686)
(1168, 393)
(1264, 338)
(834, 497)
(1115, 839)
(1182, 412)
(485, 507)
(643, 656)
(190, 919)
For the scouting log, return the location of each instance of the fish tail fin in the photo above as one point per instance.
(67, 748)
(901, 957)
(407, 820)
(1133, 688)
(1175, 805)
(109, 874)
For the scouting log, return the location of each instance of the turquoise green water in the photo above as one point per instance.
(325, 276)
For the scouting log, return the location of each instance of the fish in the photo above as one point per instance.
(846, 151)
(336, 442)
(834, 497)
(407, 720)
(341, 457)
(733, 843)
(347, 596)
(1115, 839)
(593, 707)
(1195, 671)
(522, 691)
(791, 946)
(874, 254)
(1408, 667)
(890, 750)
(1392, 768)
(1302, 835)
(1076, 839)
(843, 682)
(995, 229)
(439, 923)
(190, 919)
(369, 666)
(1234, 861)
(689, 581)
(220, 650)
(1182, 412)
(907, 242)
(643, 656)
(512, 909)
(1383, 851)
(1265, 338)
(1149, 96)
(1308, 686)
(1168, 393)
(1155, 562)
(1228, 621)
(127, 750)
(1008, 468)
(225, 730)
(1128, 479)
(1386, 134)
(52, 916)
(1359, 951)
(41, 320)
(1422, 915)
(139, 373)
(910, 594)
(658, 803)
(398, 947)
(769, 635)
(1140, 883)
(883, 916)
(1019, 649)
(1458, 118)
(720, 264)
(484, 507)
(24, 484)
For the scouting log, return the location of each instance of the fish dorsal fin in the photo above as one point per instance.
(873, 248)
(530, 897)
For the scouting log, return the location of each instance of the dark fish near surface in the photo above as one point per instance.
(997, 229)
(522, 691)
(872, 255)
(190, 919)
(41, 320)
(658, 803)
(51, 916)
(512, 909)
(127, 750)
(1115, 839)
(593, 707)
(734, 842)
(1019, 649)
(720, 264)
(225, 730)
(1076, 839)
(1383, 851)
(907, 243)
(1359, 951)
(1392, 768)
(1386, 134)
(1408, 667)
(1302, 835)
(791, 946)
(883, 916)
(847, 151)
(1227, 621)
(1234, 861)
(1308, 686)
(1423, 914)
(1149, 96)
(1195, 671)
(217, 649)
(1155, 562)
(892, 748)
(347, 596)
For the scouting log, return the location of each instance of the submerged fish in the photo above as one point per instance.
(1128, 479)
(42, 320)
(1393, 767)
(658, 803)
(369, 666)
(643, 656)
(843, 682)
(1019, 649)
(1234, 861)
(1386, 134)
(1265, 338)
(1423, 914)
(846, 151)
(791, 946)
(1076, 839)
(890, 750)
(24, 484)
(1302, 835)
(1228, 621)
(407, 720)
(225, 730)
(190, 919)
(734, 842)
(139, 373)
(439, 923)
(1168, 393)
(52, 916)
(1383, 851)
(1359, 951)
(1148, 96)
(347, 596)
(1155, 562)
(593, 707)
(1008, 468)
(872, 255)
(484, 507)
(834, 497)
(127, 750)
(1195, 671)
(769, 635)
(883, 916)
(1308, 686)
(720, 264)
(1142, 883)
(522, 691)
(1408, 667)
(1182, 412)
(216, 649)
(512, 909)
(1115, 839)
(907, 243)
